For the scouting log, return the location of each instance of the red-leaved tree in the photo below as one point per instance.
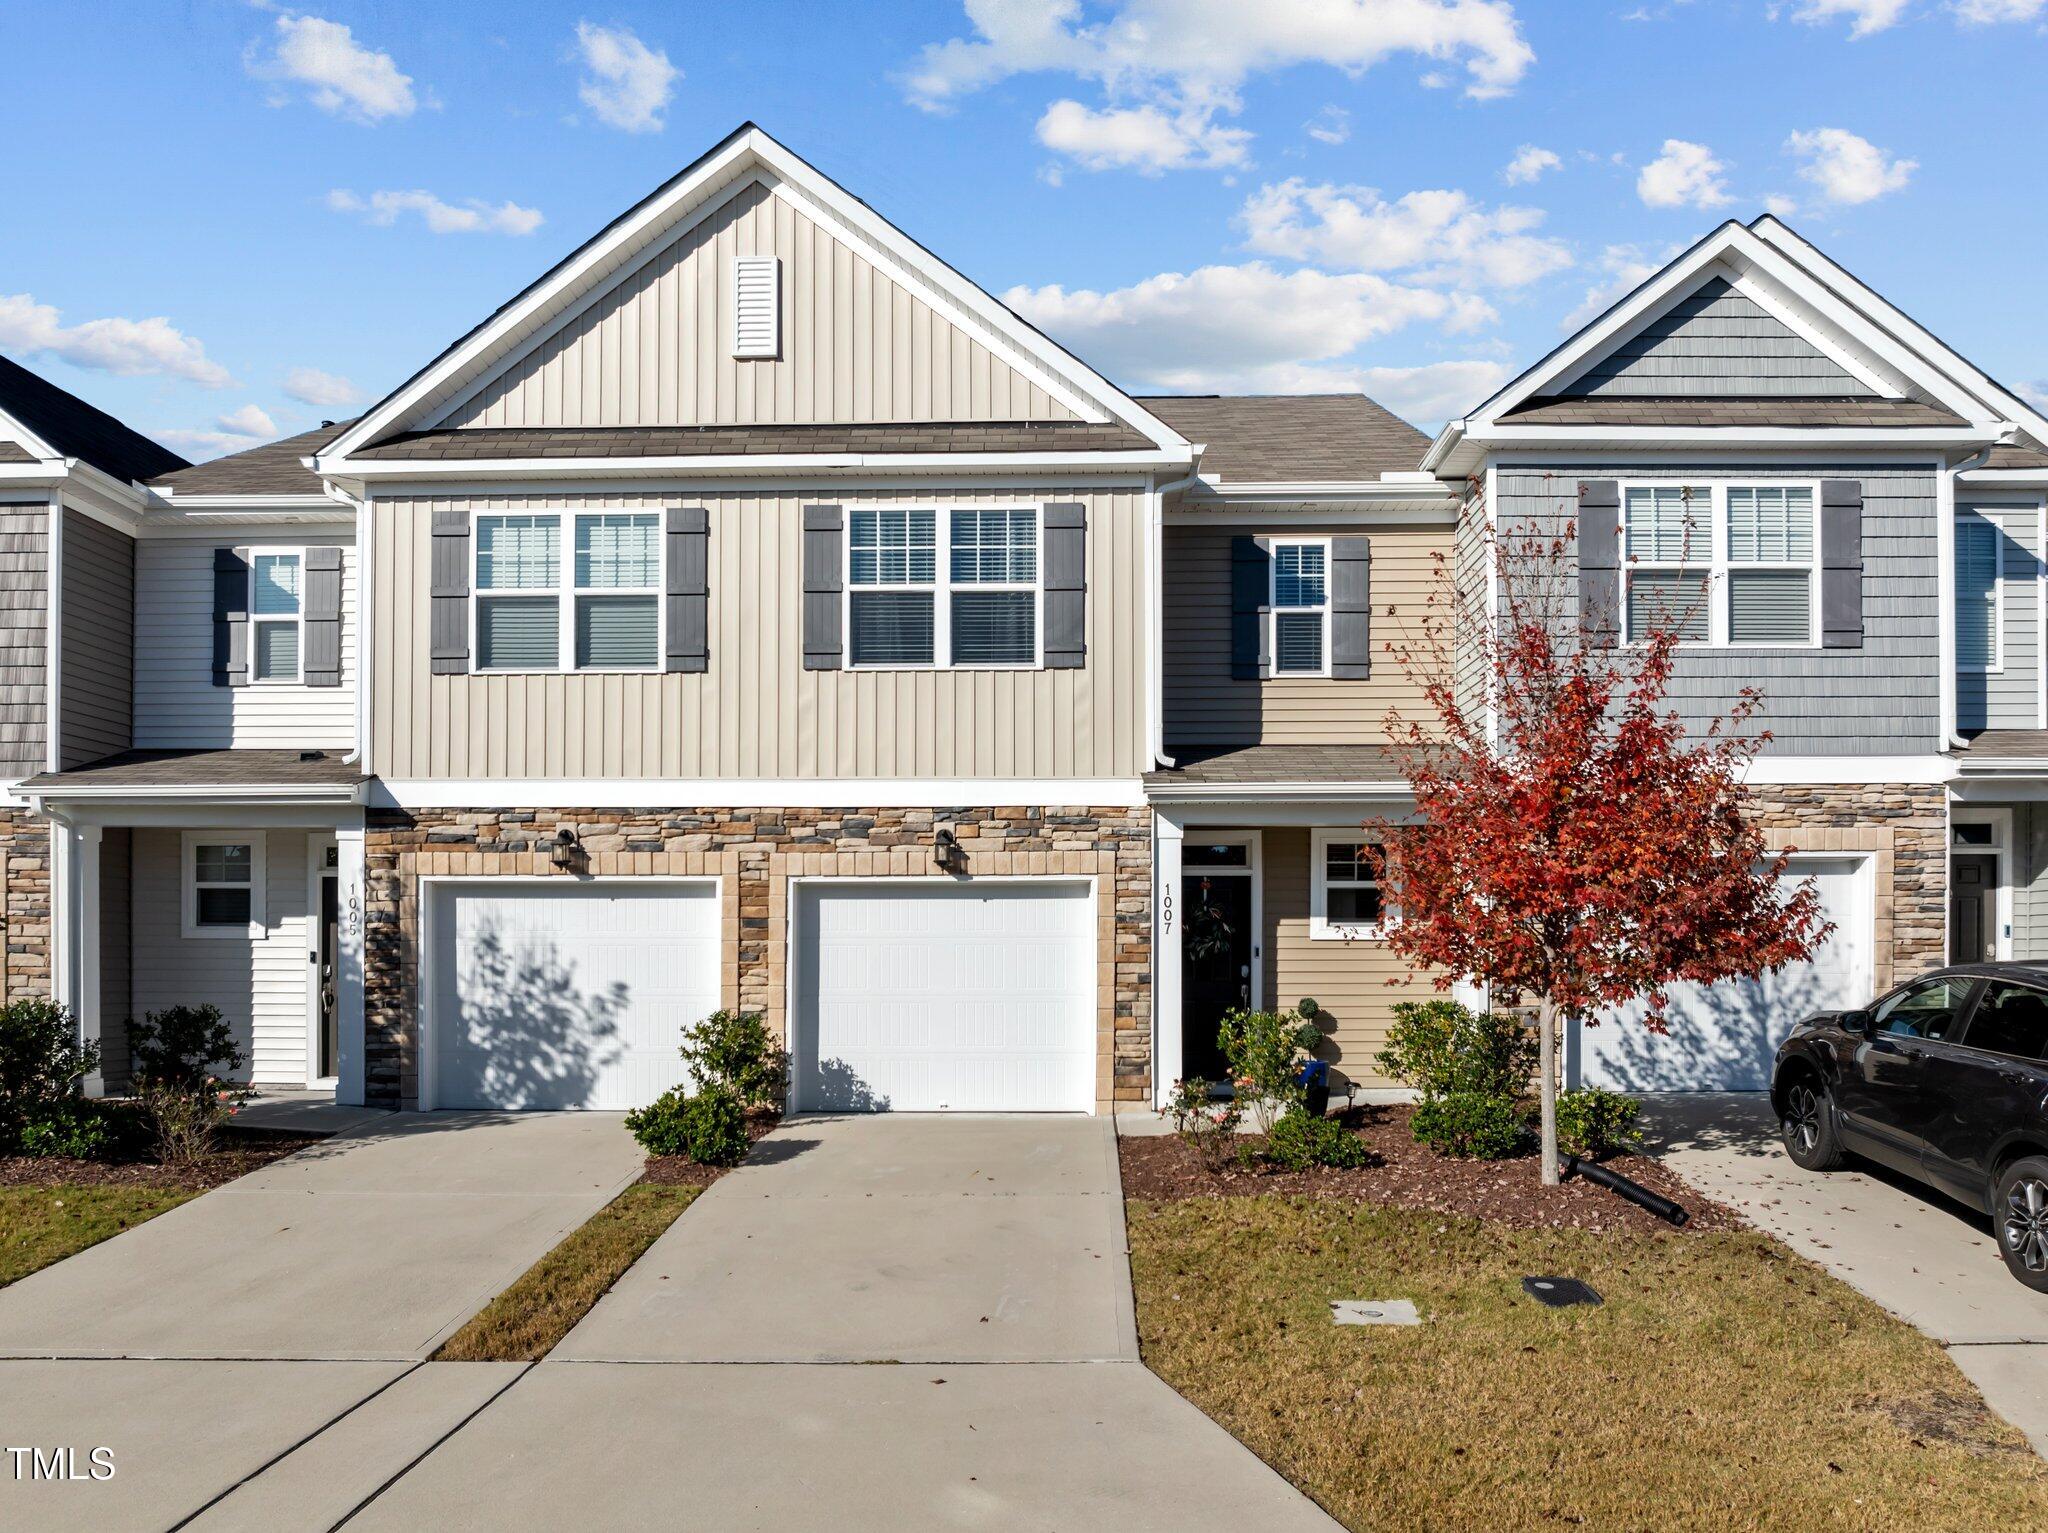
(1574, 844)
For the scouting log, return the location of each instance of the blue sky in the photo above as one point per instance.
(227, 221)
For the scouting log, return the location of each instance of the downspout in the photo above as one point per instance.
(1945, 546)
(1155, 601)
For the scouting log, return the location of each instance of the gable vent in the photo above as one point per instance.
(756, 306)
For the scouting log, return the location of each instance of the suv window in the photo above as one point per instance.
(1926, 1010)
(2011, 1019)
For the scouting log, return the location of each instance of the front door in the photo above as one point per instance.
(1972, 907)
(1215, 963)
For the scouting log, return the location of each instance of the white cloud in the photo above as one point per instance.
(472, 216)
(1187, 59)
(1623, 268)
(1866, 16)
(2035, 393)
(1332, 125)
(1986, 13)
(1846, 168)
(626, 83)
(1780, 205)
(1683, 175)
(1142, 138)
(338, 74)
(1529, 163)
(1436, 236)
(245, 427)
(310, 386)
(128, 347)
(1219, 326)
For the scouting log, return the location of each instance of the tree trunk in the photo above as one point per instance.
(1546, 1090)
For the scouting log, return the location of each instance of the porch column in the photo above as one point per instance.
(348, 983)
(75, 934)
(1166, 1031)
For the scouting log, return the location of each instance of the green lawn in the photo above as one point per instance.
(41, 1225)
(525, 1321)
(1724, 1384)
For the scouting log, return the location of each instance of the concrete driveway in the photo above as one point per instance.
(374, 1245)
(1928, 1260)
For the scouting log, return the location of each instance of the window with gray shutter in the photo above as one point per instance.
(321, 620)
(1251, 585)
(1351, 608)
(1841, 563)
(1599, 527)
(448, 576)
(689, 588)
(1066, 586)
(231, 617)
(824, 576)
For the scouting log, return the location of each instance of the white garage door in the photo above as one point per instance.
(566, 995)
(1724, 1037)
(968, 999)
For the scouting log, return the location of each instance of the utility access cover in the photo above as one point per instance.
(1558, 1292)
(1374, 1312)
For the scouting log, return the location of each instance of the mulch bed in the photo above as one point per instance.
(1406, 1174)
(681, 1171)
(245, 1152)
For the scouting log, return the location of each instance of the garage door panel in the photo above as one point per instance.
(548, 996)
(954, 998)
(1725, 1037)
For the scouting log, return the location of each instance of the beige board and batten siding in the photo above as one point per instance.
(98, 618)
(177, 706)
(657, 348)
(756, 712)
(1205, 706)
(259, 984)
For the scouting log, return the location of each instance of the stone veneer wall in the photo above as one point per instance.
(25, 877)
(754, 853)
(1906, 828)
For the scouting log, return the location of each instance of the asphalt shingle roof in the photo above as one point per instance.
(1228, 766)
(1292, 438)
(2016, 457)
(78, 430)
(1630, 410)
(144, 770)
(2008, 745)
(272, 469)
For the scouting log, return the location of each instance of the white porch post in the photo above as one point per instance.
(1166, 914)
(348, 987)
(75, 929)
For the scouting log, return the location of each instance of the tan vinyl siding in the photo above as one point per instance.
(756, 712)
(656, 349)
(99, 640)
(1347, 979)
(1204, 706)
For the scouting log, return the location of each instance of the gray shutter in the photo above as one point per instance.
(1841, 564)
(1600, 561)
(1251, 588)
(1066, 586)
(231, 617)
(1350, 608)
(689, 588)
(824, 586)
(320, 613)
(449, 575)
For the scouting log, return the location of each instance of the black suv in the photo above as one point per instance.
(1945, 1079)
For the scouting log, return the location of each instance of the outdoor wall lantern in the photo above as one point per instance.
(564, 849)
(946, 849)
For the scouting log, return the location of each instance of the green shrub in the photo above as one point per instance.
(658, 1127)
(1265, 1050)
(183, 1046)
(715, 1128)
(75, 1129)
(1440, 1048)
(1592, 1122)
(735, 1050)
(1207, 1124)
(1301, 1139)
(42, 1060)
(1472, 1125)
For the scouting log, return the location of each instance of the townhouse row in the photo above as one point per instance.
(754, 613)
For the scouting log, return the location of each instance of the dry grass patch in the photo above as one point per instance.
(1725, 1383)
(524, 1323)
(41, 1225)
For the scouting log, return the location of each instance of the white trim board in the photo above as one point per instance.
(484, 793)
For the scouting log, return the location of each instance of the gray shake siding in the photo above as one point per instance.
(2008, 697)
(1881, 698)
(1717, 344)
(24, 636)
(95, 697)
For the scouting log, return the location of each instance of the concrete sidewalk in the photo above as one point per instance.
(1928, 1260)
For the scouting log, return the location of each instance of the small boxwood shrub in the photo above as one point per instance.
(183, 1046)
(1301, 1139)
(1440, 1047)
(658, 1127)
(709, 1128)
(1592, 1122)
(1473, 1125)
(734, 1050)
(42, 1061)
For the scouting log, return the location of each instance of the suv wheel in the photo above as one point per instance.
(2020, 1213)
(1808, 1125)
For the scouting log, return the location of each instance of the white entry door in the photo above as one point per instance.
(1724, 1037)
(935, 997)
(566, 995)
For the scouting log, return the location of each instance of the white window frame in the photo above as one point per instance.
(1997, 665)
(566, 592)
(297, 620)
(1274, 609)
(1320, 927)
(1714, 560)
(943, 586)
(188, 883)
